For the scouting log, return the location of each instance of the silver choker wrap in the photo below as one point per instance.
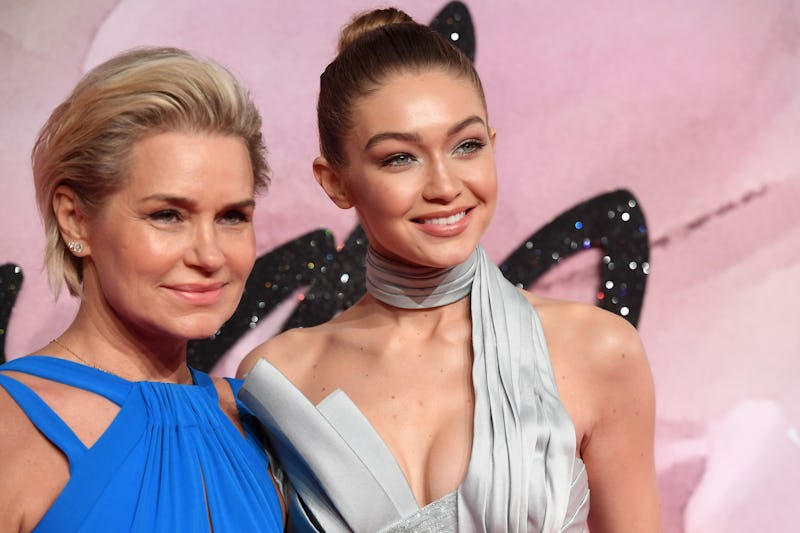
(416, 287)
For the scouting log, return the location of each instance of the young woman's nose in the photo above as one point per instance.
(443, 184)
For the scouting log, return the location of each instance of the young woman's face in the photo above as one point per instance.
(421, 171)
(170, 252)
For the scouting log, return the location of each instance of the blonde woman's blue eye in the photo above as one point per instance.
(166, 216)
(234, 217)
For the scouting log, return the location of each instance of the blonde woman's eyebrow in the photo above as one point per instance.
(189, 203)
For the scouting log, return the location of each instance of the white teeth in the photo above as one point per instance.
(444, 221)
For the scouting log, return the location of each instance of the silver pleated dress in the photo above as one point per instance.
(523, 473)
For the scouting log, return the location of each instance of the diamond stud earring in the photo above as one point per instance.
(75, 247)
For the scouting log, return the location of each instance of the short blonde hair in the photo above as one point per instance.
(87, 141)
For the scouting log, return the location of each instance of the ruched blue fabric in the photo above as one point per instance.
(170, 461)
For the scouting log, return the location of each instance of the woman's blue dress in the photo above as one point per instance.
(170, 461)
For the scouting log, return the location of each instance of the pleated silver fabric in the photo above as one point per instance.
(523, 475)
(414, 287)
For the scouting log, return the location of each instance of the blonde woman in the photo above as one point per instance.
(146, 178)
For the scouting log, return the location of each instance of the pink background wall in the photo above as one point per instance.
(693, 105)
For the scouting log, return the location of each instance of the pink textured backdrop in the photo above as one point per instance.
(693, 105)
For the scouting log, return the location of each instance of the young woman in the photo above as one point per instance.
(145, 177)
(445, 399)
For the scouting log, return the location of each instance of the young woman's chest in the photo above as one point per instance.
(417, 395)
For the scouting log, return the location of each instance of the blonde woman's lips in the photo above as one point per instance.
(198, 293)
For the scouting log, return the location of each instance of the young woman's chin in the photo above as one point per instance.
(435, 256)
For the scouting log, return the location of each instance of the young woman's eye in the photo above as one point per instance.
(397, 160)
(234, 217)
(470, 146)
(166, 216)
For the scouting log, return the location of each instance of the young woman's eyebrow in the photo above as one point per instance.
(414, 137)
(391, 135)
(464, 123)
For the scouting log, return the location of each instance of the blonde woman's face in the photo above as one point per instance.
(170, 252)
(421, 170)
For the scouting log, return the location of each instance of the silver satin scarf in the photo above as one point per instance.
(415, 287)
(521, 466)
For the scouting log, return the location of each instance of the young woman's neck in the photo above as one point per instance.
(422, 321)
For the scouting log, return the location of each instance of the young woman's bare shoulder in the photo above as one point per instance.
(296, 350)
(289, 351)
(602, 367)
(602, 343)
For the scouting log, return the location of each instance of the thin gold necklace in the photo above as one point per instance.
(87, 363)
(81, 359)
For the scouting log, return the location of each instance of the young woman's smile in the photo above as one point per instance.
(445, 224)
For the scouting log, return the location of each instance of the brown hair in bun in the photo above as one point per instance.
(373, 46)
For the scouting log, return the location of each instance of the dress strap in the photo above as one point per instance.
(201, 379)
(236, 386)
(44, 418)
(205, 382)
(109, 386)
(252, 427)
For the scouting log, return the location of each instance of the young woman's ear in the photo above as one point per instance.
(72, 222)
(332, 182)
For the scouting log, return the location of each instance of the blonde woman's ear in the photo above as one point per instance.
(332, 183)
(72, 222)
